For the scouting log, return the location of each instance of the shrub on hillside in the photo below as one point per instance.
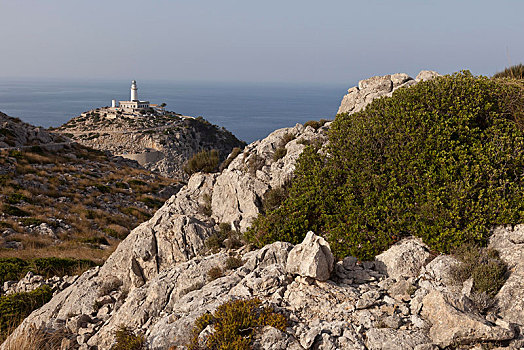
(235, 323)
(15, 307)
(513, 72)
(126, 339)
(13, 269)
(442, 160)
(205, 161)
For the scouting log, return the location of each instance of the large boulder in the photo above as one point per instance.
(311, 258)
(393, 339)
(450, 325)
(404, 259)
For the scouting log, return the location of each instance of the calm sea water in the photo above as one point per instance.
(250, 111)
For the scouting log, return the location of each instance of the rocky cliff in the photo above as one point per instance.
(163, 276)
(161, 143)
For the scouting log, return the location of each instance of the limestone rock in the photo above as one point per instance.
(360, 96)
(391, 339)
(509, 242)
(404, 259)
(452, 326)
(311, 258)
(426, 75)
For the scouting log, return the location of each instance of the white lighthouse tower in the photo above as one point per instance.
(134, 91)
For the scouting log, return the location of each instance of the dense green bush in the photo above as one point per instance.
(205, 161)
(15, 307)
(235, 323)
(442, 160)
(234, 153)
(513, 72)
(13, 269)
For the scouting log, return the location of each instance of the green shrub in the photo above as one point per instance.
(15, 307)
(204, 161)
(30, 221)
(234, 153)
(316, 124)
(234, 262)
(126, 339)
(13, 210)
(13, 269)
(483, 265)
(15, 198)
(513, 72)
(103, 188)
(442, 160)
(280, 152)
(224, 237)
(97, 240)
(286, 138)
(235, 323)
(274, 197)
(255, 163)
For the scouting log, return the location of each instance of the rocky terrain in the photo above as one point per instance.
(167, 273)
(59, 198)
(160, 143)
(367, 90)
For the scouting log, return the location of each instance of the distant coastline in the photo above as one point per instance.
(251, 111)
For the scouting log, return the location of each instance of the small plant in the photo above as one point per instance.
(126, 339)
(234, 153)
(15, 211)
(205, 207)
(513, 72)
(204, 161)
(286, 139)
(280, 152)
(274, 197)
(255, 163)
(483, 265)
(316, 124)
(235, 323)
(234, 262)
(214, 273)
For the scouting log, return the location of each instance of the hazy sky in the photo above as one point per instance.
(328, 41)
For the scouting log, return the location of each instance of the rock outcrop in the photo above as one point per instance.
(367, 90)
(161, 143)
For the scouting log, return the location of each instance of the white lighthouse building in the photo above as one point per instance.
(134, 103)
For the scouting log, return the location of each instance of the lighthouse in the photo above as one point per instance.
(134, 91)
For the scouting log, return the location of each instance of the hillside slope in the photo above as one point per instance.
(59, 198)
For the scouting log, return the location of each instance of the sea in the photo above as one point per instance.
(249, 110)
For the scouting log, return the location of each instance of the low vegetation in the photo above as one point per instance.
(13, 269)
(235, 324)
(513, 72)
(126, 339)
(442, 160)
(204, 161)
(15, 307)
(483, 265)
(79, 198)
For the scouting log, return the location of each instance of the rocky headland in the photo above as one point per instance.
(165, 283)
(159, 142)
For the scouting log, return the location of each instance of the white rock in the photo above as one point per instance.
(311, 258)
